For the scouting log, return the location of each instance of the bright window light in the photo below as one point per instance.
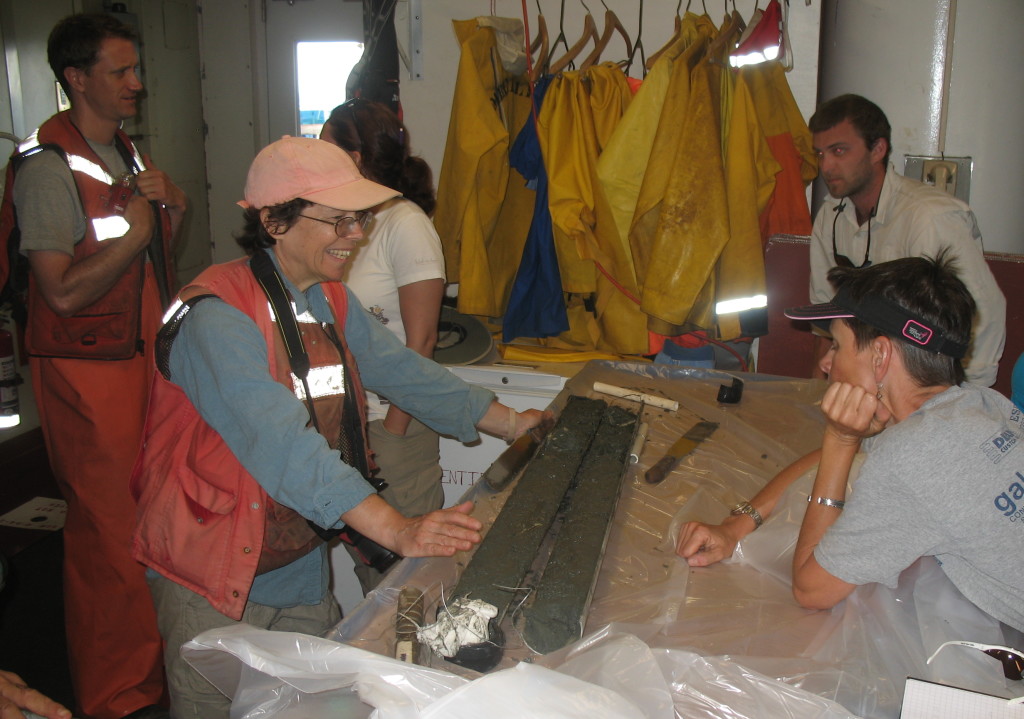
(323, 69)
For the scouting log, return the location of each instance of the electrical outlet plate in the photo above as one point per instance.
(958, 169)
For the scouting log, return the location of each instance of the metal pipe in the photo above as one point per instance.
(947, 70)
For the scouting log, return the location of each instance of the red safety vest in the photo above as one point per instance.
(202, 516)
(110, 327)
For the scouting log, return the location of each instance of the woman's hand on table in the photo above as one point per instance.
(703, 544)
(440, 533)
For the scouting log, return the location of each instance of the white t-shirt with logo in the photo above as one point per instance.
(400, 247)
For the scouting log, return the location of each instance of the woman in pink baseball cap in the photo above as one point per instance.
(256, 448)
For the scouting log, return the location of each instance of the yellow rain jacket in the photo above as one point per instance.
(693, 226)
(750, 171)
(581, 111)
(483, 209)
(786, 132)
(665, 146)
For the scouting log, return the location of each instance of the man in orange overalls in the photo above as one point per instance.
(96, 224)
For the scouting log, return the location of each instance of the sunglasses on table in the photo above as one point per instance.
(1011, 659)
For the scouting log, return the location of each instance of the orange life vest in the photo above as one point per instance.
(109, 328)
(202, 516)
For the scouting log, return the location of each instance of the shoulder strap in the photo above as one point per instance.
(127, 155)
(19, 157)
(155, 250)
(169, 331)
(273, 287)
(14, 267)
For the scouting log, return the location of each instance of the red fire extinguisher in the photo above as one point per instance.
(9, 381)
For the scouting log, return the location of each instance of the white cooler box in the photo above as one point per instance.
(462, 464)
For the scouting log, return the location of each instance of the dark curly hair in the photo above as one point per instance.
(866, 117)
(380, 138)
(280, 218)
(928, 288)
(75, 42)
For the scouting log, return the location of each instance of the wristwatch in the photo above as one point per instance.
(748, 509)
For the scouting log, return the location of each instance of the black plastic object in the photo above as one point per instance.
(731, 394)
(372, 554)
(483, 656)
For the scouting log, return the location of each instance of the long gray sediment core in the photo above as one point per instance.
(501, 561)
(557, 613)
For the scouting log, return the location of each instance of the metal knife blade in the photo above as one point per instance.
(682, 447)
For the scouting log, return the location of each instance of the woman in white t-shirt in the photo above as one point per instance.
(398, 275)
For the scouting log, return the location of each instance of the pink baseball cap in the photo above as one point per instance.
(314, 170)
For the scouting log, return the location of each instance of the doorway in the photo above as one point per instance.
(312, 46)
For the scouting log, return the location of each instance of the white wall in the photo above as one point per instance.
(894, 54)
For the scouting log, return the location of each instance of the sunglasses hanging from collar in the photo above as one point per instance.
(843, 260)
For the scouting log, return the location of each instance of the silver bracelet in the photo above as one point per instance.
(836, 503)
(748, 509)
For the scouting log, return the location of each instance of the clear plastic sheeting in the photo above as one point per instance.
(660, 640)
(612, 675)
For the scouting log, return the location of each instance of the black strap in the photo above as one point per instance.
(273, 287)
(166, 335)
(353, 447)
(155, 250)
(127, 155)
(353, 451)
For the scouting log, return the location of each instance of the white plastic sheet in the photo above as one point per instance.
(724, 641)
(612, 675)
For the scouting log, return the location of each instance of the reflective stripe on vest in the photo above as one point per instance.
(171, 311)
(741, 304)
(105, 228)
(326, 381)
(305, 318)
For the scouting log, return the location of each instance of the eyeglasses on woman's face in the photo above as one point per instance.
(345, 226)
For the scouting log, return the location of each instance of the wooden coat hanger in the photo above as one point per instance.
(675, 36)
(731, 29)
(738, 19)
(541, 41)
(589, 33)
(611, 25)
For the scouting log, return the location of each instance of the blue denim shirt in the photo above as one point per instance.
(220, 360)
